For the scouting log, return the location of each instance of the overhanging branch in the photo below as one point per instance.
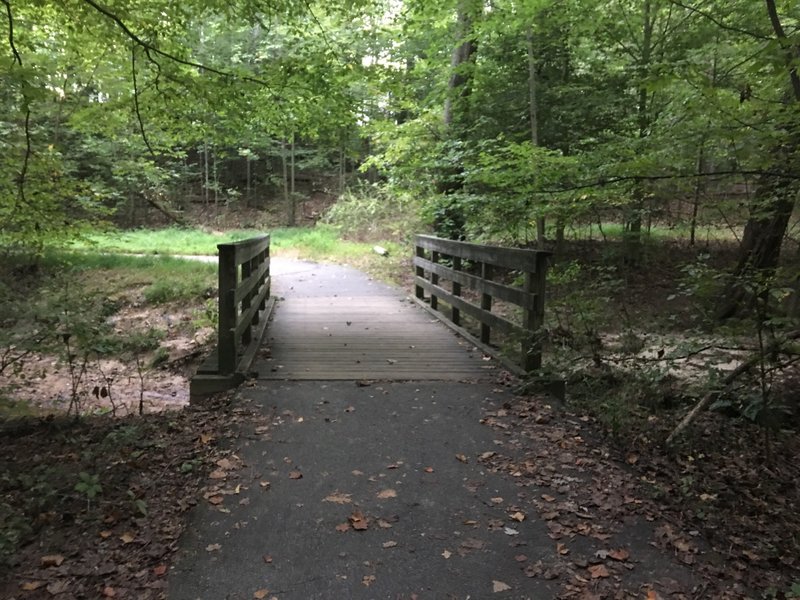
(149, 48)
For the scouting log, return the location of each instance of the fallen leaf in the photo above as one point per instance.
(225, 464)
(389, 544)
(216, 500)
(260, 594)
(356, 472)
(58, 587)
(496, 500)
(338, 498)
(295, 475)
(109, 592)
(358, 521)
(548, 498)
(264, 484)
(510, 531)
(389, 493)
(487, 455)
(267, 559)
(429, 469)
(213, 547)
(520, 558)
(29, 586)
(384, 524)
(518, 516)
(562, 549)
(462, 458)
(52, 560)
(368, 580)
(447, 554)
(205, 438)
(632, 458)
(105, 534)
(159, 570)
(598, 571)
(218, 474)
(620, 554)
(127, 537)
(499, 586)
(342, 527)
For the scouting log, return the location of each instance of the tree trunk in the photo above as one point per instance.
(290, 214)
(450, 221)
(775, 196)
(633, 229)
(460, 85)
(533, 112)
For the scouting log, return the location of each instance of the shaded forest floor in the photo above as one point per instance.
(94, 508)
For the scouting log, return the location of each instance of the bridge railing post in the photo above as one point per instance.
(228, 313)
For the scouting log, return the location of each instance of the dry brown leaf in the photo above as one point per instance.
(213, 547)
(518, 516)
(224, 464)
(368, 580)
(260, 594)
(520, 558)
(159, 570)
(30, 586)
(338, 498)
(429, 469)
(462, 458)
(127, 537)
(52, 560)
(620, 554)
(267, 559)
(218, 474)
(384, 524)
(389, 493)
(389, 544)
(216, 500)
(106, 533)
(548, 498)
(342, 527)
(598, 571)
(205, 438)
(109, 592)
(358, 521)
(58, 587)
(447, 554)
(295, 475)
(562, 549)
(264, 484)
(499, 586)
(496, 500)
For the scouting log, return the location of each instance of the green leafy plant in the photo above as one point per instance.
(88, 485)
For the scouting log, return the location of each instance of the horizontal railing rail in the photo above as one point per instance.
(438, 260)
(244, 286)
(244, 308)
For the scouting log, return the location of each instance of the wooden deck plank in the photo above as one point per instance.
(375, 337)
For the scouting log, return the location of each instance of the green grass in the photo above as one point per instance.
(657, 233)
(173, 240)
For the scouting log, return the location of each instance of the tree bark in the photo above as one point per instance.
(776, 192)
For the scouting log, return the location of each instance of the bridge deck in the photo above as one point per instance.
(335, 323)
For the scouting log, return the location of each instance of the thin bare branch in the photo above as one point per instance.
(719, 23)
(136, 101)
(14, 51)
(176, 59)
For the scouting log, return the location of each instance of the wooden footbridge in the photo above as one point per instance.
(294, 320)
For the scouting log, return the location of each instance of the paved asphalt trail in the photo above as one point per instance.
(397, 459)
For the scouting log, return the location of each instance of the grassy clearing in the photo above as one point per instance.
(173, 240)
(611, 231)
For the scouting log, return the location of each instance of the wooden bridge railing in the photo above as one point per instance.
(439, 259)
(244, 308)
